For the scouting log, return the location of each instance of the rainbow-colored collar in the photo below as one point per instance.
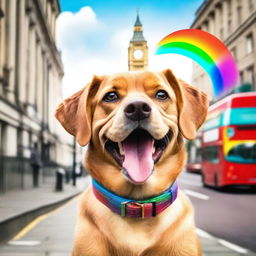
(135, 208)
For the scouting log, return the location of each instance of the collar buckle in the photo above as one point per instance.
(137, 209)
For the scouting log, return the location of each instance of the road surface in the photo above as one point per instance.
(228, 214)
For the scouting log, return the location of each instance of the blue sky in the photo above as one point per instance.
(160, 14)
(93, 36)
(115, 7)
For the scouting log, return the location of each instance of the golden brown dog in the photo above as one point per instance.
(134, 124)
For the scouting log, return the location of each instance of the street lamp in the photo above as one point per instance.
(74, 163)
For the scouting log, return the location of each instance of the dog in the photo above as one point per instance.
(134, 124)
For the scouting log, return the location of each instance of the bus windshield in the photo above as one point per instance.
(243, 153)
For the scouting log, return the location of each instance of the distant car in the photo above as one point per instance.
(194, 167)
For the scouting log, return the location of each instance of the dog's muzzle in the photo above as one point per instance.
(139, 151)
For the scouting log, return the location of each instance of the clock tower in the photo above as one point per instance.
(138, 49)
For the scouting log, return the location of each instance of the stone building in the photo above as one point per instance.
(31, 72)
(234, 23)
(138, 49)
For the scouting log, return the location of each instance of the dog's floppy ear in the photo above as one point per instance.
(75, 113)
(192, 105)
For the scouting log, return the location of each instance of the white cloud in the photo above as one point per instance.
(72, 28)
(120, 42)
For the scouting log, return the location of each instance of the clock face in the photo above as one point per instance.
(138, 54)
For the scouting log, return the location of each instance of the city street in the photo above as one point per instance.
(229, 215)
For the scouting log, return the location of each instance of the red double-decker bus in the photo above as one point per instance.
(229, 142)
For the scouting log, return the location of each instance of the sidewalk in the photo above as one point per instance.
(18, 208)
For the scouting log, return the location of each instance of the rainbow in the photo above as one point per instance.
(208, 51)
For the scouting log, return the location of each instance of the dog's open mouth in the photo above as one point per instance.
(137, 154)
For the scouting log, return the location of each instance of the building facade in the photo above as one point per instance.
(138, 49)
(234, 23)
(31, 73)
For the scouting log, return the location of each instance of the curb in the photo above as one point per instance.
(10, 227)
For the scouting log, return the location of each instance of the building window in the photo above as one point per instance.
(229, 26)
(2, 138)
(233, 52)
(6, 79)
(220, 14)
(1, 12)
(7, 33)
(239, 15)
(250, 76)
(221, 33)
(206, 26)
(241, 75)
(251, 5)
(249, 43)
(229, 8)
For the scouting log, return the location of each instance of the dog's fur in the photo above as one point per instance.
(99, 231)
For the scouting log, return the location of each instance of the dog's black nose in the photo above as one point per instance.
(137, 110)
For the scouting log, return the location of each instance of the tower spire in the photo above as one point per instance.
(138, 22)
(138, 30)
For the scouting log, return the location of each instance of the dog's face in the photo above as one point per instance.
(134, 124)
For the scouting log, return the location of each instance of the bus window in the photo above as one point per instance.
(210, 154)
(243, 153)
(199, 155)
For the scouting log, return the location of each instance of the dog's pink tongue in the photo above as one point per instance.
(138, 161)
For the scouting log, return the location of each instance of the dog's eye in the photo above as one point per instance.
(161, 95)
(111, 97)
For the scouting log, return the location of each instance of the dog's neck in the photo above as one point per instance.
(135, 208)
